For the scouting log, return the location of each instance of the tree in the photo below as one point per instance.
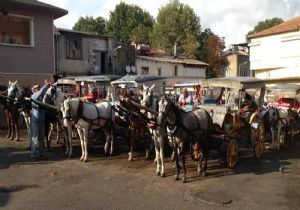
(211, 51)
(266, 24)
(176, 22)
(89, 24)
(129, 21)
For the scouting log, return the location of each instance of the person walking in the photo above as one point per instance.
(38, 124)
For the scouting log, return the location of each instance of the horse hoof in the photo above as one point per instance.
(81, 159)
(129, 159)
(17, 139)
(176, 177)
(70, 156)
(111, 154)
(204, 174)
(157, 173)
(183, 180)
(85, 160)
(163, 175)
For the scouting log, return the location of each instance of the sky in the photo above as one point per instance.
(231, 19)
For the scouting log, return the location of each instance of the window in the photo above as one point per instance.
(16, 30)
(145, 70)
(73, 49)
(175, 71)
(159, 71)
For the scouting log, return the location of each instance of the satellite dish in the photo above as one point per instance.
(128, 69)
(133, 69)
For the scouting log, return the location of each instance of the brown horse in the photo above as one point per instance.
(13, 92)
(137, 123)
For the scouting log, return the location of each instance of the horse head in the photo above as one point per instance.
(164, 107)
(54, 96)
(13, 89)
(147, 94)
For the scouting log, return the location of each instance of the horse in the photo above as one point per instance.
(158, 133)
(89, 116)
(186, 127)
(281, 121)
(54, 96)
(13, 92)
(136, 120)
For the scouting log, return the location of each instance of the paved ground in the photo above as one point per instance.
(115, 183)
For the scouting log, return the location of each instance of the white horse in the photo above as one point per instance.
(90, 116)
(157, 133)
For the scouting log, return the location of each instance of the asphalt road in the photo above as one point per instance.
(115, 183)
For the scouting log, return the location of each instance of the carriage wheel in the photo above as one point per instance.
(259, 140)
(232, 154)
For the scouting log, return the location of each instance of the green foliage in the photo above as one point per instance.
(211, 51)
(129, 21)
(90, 24)
(266, 24)
(176, 22)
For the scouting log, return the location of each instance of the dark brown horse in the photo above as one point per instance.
(137, 123)
(185, 128)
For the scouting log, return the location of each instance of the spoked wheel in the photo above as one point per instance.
(258, 137)
(232, 154)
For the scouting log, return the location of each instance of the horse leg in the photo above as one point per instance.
(182, 155)
(206, 153)
(143, 131)
(85, 144)
(132, 140)
(175, 151)
(69, 140)
(16, 124)
(112, 138)
(47, 136)
(107, 134)
(157, 153)
(162, 155)
(278, 137)
(57, 132)
(80, 133)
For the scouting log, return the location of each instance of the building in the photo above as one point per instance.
(173, 69)
(238, 59)
(27, 41)
(275, 54)
(79, 53)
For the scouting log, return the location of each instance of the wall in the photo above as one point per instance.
(36, 59)
(167, 70)
(276, 56)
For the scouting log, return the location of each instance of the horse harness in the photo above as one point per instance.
(80, 115)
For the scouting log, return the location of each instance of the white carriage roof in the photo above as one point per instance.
(97, 78)
(137, 79)
(234, 82)
(67, 80)
(283, 87)
(187, 83)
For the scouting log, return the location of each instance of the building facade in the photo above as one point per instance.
(275, 54)
(238, 59)
(79, 53)
(173, 69)
(27, 41)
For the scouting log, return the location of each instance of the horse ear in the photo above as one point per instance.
(9, 82)
(151, 88)
(15, 82)
(144, 87)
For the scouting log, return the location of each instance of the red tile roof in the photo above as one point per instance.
(287, 26)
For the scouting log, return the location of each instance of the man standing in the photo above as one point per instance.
(38, 124)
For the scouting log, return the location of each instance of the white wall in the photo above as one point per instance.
(167, 70)
(276, 56)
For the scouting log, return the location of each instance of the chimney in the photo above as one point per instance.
(175, 50)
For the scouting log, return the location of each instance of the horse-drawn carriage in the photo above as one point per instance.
(283, 106)
(235, 122)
